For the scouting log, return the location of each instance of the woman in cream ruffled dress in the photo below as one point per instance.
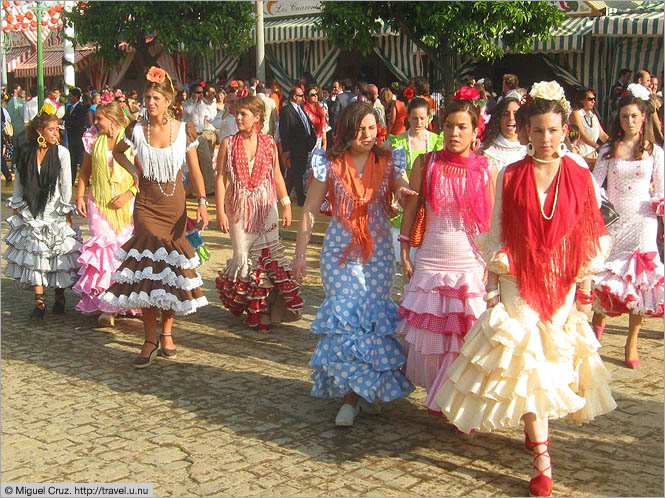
(532, 355)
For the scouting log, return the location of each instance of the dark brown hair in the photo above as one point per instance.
(462, 106)
(543, 106)
(416, 103)
(254, 105)
(646, 144)
(493, 128)
(348, 125)
(38, 123)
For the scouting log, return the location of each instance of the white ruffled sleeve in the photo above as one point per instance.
(320, 165)
(399, 162)
(63, 205)
(490, 243)
(15, 200)
(657, 181)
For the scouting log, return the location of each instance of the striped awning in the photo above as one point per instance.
(17, 56)
(52, 60)
(293, 29)
(635, 24)
(569, 37)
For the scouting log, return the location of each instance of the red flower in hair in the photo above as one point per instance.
(242, 93)
(233, 84)
(203, 84)
(526, 100)
(467, 93)
(623, 94)
(381, 134)
(155, 75)
(409, 93)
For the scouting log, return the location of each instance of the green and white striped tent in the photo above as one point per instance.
(569, 37)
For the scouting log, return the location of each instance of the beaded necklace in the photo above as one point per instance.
(172, 157)
(556, 196)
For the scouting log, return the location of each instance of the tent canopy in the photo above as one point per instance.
(569, 37)
(294, 29)
(52, 60)
(17, 56)
(648, 23)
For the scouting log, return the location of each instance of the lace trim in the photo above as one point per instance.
(157, 298)
(174, 258)
(160, 165)
(167, 276)
(195, 143)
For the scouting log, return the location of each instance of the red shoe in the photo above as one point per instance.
(265, 327)
(541, 485)
(598, 329)
(528, 445)
(631, 363)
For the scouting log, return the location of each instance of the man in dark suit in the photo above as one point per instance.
(76, 121)
(341, 101)
(297, 137)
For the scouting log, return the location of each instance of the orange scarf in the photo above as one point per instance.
(352, 194)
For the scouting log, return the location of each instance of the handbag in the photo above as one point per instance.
(610, 214)
(418, 228)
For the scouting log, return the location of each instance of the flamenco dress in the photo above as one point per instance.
(503, 152)
(444, 297)
(158, 265)
(357, 349)
(258, 278)
(632, 281)
(42, 249)
(110, 228)
(534, 352)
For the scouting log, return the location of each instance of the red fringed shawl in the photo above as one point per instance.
(351, 196)
(251, 197)
(546, 256)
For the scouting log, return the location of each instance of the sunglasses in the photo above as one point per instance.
(301, 95)
(590, 99)
(313, 94)
(199, 93)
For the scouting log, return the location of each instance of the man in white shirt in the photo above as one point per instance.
(201, 111)
(30, 108)
(225, 121)
(376, 103)
(270, 115)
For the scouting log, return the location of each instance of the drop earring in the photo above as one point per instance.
(41, 141)
(562, 150)
(530, 149)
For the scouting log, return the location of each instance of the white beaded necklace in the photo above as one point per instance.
(408, 138)
(556, 197)
(172, 157)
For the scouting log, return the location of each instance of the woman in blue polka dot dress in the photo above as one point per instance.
(357, 357)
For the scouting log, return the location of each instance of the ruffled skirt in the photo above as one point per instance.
(357, 350)
(631, 283)
(512, 364)
(98, 262)
(42, 251)
(158, 264)
(437, 310)
(263, 283)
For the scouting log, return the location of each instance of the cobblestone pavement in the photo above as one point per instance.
(232, 415)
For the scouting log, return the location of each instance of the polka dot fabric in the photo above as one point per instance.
(357, 351)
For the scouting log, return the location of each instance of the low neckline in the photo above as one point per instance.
(162, 148)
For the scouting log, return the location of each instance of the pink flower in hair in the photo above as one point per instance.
(156, 75)
(107, 97)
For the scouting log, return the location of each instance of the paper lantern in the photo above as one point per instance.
(54, 20)
(29, 14)
(33, 24)
(19, 17)
(17, 3)
(58, 7)
(10, 19)
(44, 22)
(5, 4)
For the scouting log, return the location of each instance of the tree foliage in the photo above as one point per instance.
(443, 29)
(192, 28)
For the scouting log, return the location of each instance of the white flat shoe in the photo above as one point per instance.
(369, 408)
(346, 414)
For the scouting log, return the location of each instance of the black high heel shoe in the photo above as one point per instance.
(59, 304)
(40, 307)
(143, 361)
(169, 354)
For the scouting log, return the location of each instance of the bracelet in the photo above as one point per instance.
(491, 295)
(133, 190)
(285, 201)
(80, 197)
(491, 287)
(583, 297)
(403, 238)
(298, 256)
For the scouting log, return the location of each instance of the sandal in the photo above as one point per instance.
(40, 307)
(169, 354)
(541, 485)
(143, 361)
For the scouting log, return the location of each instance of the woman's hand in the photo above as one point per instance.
(68, 216)
(403, 193)
(17, 213)
(222, 222)
(119, 200)
(286, 215)
(202, 215)
(299, 269)
(81, 207)
(584, 308)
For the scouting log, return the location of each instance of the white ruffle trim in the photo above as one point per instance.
(195, 143)
(174, 258)
(167, 276)
(128, 142)
(158, 298)
(15, 203)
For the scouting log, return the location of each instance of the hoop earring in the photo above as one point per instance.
(57, 141)
(41, 141)
(530, 149)
(562, 150)
(165, 119)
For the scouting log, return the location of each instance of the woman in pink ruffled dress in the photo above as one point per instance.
(444, 296)
(108, 207)
(633, 166)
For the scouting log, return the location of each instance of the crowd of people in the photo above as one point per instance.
(511, 217)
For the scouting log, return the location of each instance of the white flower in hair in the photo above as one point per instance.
(550, 90)
(638, 91)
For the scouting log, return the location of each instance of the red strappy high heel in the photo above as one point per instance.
(541, 485)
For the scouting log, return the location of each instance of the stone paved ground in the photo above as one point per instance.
(232, 415)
